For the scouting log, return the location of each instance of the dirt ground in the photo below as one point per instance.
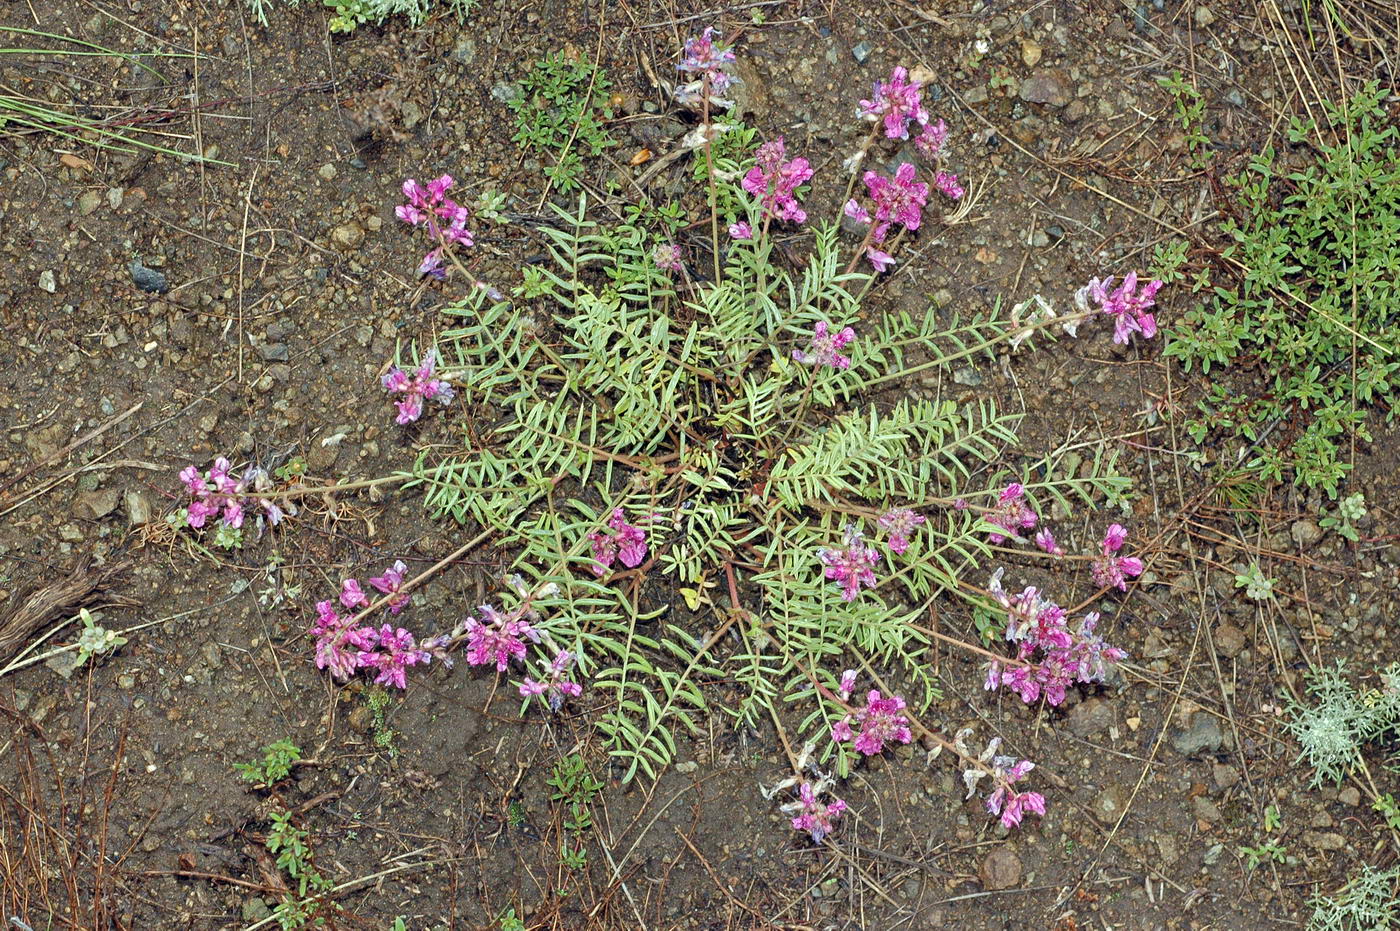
(290, 286)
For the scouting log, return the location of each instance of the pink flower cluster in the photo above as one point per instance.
(445, 219)
(824, 348)
(775, 182)
(708, 65)
(343, 646)
(1111, 570)
(898, 103)
(556, 686)
(216, 492)
(814, 816)
(1128, 307)
(881, 721)
(667, 256)
(853, 565)
(1005, 800)
(498, 638)
(1050, 656)
(416, 388)
(390, 583)
(900, 200)
(900, 522)
(1012, 514)
(620, 541)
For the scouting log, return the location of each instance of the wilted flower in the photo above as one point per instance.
(339, 643)
(706, 62)
(853, 565)
(814, 816)
(1046, 541)
(740, 230)
(948, 186)
(556, 685)
(900, 522)
(930, 142)
(1111, 570)
(416, 388)
(667, 256)
(825, 347)
(218, 494)
(1006, 801)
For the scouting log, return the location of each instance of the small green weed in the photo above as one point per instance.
(1268, 852)
(576, 787)
(508, 922)
(1341, 719)
(276, 764)
(1190, 113)
(290, 845)
(1314, 310)
(349, 14)
(385, 737)
(560, 113)
(1256, 585)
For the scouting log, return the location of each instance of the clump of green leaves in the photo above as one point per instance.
(290, 844)
(576, 788)
(1368, 902)
(560, 113)
(276, 763)
(1257, 586)
(1313, 313)
(1190, 113)
(1350, 511)
(377, 701)
(94, 640)
(1332, 729)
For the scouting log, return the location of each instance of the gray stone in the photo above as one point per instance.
(1328, 840)
(1089, 718)
(273, 352)
(88, 201)
(1230, 640)
(256, 910)
(48, 281)
(95, 505)
(1000, 869)
(860, 52)
(327, 172)
(1047, 86)
(1110, 804)
(1305, 533)
(967, 375)
(1202, 735)
(1349, 796)
(1205, 810)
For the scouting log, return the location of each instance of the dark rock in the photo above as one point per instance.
(94, 505)
(147, 279)
(1202, 735)
(1089, 718)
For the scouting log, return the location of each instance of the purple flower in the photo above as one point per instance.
(445, 219)
(416, 388)
(218, 494)
(351, 595)
(1128, 307)
(740, 230)
(930, 142)
(881, 721)
(948, 186)
(391, 583)
(621, 541)
(900, 522)
(1046, 541)
(395, 652)
(497, 638)
(667, 256)
(879, 260)
(853, 565)
(814, 817)
(556, 686)
(898, 102)
(339, 644)
(900, 200)
(1005, 800)
(1111, 570)
(775, 181)
(707, 62)
(1011, 514)
(848, 682)
(824, 347)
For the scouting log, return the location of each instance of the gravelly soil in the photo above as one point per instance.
(291, 285)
